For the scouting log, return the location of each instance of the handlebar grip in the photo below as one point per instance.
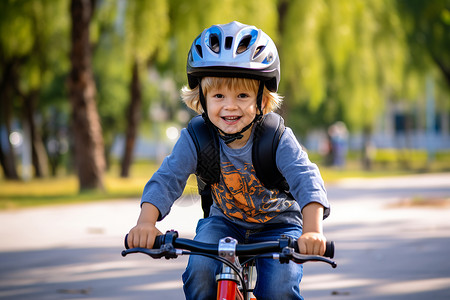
(126, 242)
(159, 240)
(329, 250)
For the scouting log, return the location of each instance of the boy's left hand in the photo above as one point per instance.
(312, 243)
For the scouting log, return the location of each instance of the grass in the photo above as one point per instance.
(64, 189)
(388, 162)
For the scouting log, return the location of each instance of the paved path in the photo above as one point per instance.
(384, 250)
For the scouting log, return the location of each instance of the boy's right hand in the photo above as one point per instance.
(143, 235)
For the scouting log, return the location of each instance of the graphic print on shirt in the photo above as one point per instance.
(241, 195)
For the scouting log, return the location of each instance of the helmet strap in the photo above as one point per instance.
(259, 97)
(201, 96)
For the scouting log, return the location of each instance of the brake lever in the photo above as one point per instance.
(167, 251)
(289, 254)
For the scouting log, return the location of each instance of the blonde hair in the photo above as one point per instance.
(271, 101)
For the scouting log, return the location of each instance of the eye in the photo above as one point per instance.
(243, 95)
(218, 96)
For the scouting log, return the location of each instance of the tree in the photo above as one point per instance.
(427, 29)
(86, 128)
(110, 69)
(427, 24)
(25, 67)
(12, 50)
(7, 158)
(340, 60)
(146, 27)
(32, 56)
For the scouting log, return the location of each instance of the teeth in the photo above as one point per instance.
(231, 118)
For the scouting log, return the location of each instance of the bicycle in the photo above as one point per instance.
(228, 251)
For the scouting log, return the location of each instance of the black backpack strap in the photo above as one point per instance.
(267, 136)
(205, 192)
(207, 145)
(208, 159)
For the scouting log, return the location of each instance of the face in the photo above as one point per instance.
(231, 109)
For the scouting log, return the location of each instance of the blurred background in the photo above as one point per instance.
(89, 89)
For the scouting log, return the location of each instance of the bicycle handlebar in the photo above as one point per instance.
(165, 245)
(241, 249)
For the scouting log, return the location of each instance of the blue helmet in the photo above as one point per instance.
(234, 50)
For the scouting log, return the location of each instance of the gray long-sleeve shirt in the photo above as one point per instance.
(239, 195)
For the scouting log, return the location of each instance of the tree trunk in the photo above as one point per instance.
(87, 131)
(368, 150)
(133, 117)
(39, 155)
(441, 65)
(7, 158)
(283, 8)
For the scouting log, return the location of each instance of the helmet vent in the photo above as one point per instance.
(243, 44)
(214, 43)
(258, 51)
(199, 50)
(198, 46)
(228, 42)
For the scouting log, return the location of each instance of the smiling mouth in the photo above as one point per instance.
(231, 119)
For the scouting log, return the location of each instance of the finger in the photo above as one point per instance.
(130, 240)
(150, 241)
(302, 246)
(323, 248)
(143, 240)
(316, 248)
(135, 241)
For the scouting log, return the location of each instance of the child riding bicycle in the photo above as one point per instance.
(233, 75)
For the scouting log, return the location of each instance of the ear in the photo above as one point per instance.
(265, 100)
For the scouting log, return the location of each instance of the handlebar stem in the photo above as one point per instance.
(227, 250)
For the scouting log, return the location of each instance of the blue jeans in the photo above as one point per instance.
(274, 280)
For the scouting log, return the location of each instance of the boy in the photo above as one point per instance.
(233, 75)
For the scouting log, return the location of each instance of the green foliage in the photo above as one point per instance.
(427, 28)
(146, 27)
(388, 156)
(35, 34)
(190, 18)
(342, 59)
(125, 32)
(112, 79)
(13, 19)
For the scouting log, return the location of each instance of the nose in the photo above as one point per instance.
(230, 103)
